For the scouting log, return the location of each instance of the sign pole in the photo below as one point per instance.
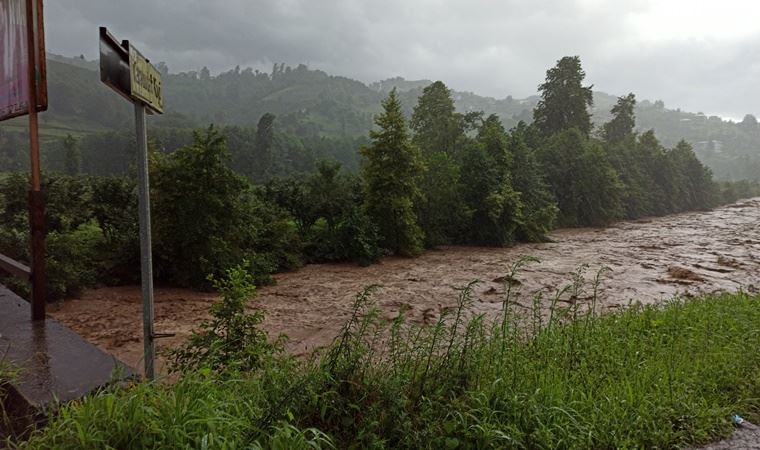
(146, 257)
(36, 199)
(128, 72)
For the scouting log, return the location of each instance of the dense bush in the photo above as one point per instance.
(327, 208)
(83, 235)
(208, 218)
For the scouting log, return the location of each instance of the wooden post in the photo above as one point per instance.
(36, 199)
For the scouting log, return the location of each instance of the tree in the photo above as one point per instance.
(390, 171)
(565, 102)
(341, 231)
(658, 169)
(208, 219)
(631, 167)
(496, 206)
(623, 120)
(329, 194)
(441, 209)
(586, 186)
(749, 124)
(262, 147)
(13, 158)
(439, 132)
(436, 124)
(539, 207)
(72, 156)
(695, 188)
(204, 74)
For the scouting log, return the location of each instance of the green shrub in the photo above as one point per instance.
(231, 340)
(71, 263)
(74, 243)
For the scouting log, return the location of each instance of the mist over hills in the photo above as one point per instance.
(313, 103)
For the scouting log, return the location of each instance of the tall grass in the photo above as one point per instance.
(646, 377)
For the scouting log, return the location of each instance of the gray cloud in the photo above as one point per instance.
(491, 47)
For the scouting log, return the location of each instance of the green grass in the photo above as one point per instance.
(646, 377)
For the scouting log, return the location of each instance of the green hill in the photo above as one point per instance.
(311, 103)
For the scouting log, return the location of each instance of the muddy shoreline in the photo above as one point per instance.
(650, 260)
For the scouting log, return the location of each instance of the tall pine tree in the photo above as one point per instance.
(565, 102)
(436, 124)
(623, 120)
(72, 155)
(390, 171)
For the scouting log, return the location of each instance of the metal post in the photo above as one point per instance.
(146, 258)
(36, 200)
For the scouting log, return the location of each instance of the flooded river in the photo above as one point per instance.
(649, 261)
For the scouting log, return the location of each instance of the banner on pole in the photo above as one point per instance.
(14, 59)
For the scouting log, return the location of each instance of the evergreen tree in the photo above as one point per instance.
(639, 187)
(695, 188)
(390, 170)
(749, 125)
(262, 147)
(539, 207)
(496, 206)
(441, 210)
(658, 169)
(436, 124)
(205, 74)
(72, 156)
(632, 166)
(565, 102)
(13, 152)
(585, 184)
(439, 133)
(623, 120)
(209, 218)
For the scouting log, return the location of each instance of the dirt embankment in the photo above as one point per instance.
(650, 260)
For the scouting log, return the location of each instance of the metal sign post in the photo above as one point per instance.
(23, 90)
(146, 255)
(126, 71)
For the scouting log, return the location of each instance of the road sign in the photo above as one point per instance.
(14, 57)
(145, 81)
(128, 72)
(114, 64)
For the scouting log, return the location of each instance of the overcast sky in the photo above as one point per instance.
(694, 54)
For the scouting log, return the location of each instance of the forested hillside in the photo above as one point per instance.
(316, 116)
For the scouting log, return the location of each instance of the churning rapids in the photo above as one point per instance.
(650, 260)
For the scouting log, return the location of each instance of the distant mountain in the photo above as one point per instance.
(312, 103)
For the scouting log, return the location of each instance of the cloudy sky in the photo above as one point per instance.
(694, 54)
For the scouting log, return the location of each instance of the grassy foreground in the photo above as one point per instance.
(646, 377)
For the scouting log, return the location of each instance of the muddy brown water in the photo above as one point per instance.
(649, 260)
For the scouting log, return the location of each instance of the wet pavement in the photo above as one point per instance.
(52, 363)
